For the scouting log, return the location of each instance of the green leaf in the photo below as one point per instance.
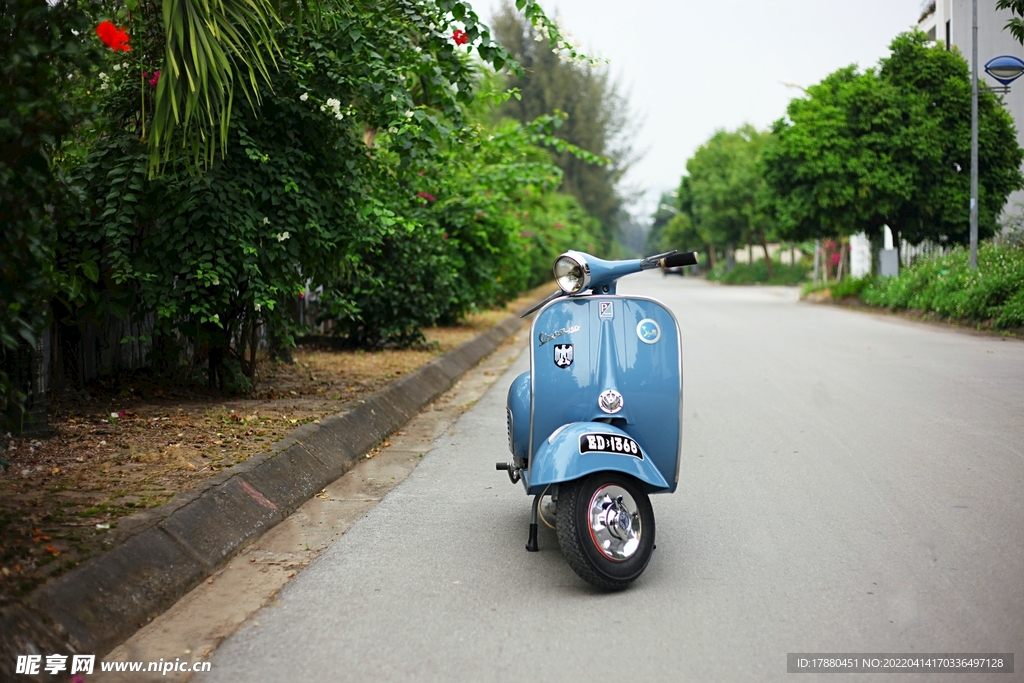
(90, 270)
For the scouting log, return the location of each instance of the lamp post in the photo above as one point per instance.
(1005, 69)
(974, 135)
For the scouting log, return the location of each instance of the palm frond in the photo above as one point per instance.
(212, 47)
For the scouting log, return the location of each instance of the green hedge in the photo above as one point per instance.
(757, 272)
(993, 294)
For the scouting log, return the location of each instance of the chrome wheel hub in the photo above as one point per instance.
(614, 522)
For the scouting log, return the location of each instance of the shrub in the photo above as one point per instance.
(946, 285)
(757, 272)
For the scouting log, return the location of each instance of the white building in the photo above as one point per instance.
(948, 22)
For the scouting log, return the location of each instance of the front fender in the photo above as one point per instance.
(559, 459)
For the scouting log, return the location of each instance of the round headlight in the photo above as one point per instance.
(570, 275)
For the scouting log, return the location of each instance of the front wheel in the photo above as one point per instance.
(605, 526)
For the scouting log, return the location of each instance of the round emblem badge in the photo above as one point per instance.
(610, 401)
(648, 331)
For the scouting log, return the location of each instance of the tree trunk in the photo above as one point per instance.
(711, 256)
(767, 258)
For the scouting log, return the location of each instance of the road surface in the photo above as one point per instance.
(850, 483)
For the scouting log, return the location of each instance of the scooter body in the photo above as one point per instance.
(625, 349)
(596, 422)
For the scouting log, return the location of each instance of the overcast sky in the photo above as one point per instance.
(693, 66)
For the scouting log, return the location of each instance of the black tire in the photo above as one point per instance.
(579, 544)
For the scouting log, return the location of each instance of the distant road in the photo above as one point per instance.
(850, 483)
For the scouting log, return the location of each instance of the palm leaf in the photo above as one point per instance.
(213, 46)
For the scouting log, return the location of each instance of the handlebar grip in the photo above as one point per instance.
(675, 260)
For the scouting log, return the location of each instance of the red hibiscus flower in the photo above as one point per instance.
(113, 37)
(460, 37)
(155, 79)
(425, 195)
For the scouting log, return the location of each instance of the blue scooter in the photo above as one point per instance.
(596, 423)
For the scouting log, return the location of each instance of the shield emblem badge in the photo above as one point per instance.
(563, 355)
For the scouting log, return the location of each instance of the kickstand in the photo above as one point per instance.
(531, 543)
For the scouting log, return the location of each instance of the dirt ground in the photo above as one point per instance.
(127, 448)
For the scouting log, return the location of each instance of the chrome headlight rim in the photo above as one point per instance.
(579, 262)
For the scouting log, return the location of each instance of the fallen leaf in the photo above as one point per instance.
(53, 551)
(55, 470)
(387, 444)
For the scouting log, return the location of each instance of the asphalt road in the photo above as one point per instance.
(850, 482)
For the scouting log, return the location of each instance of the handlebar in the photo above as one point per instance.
(676, 260)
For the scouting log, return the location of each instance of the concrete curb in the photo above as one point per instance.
(171, 549)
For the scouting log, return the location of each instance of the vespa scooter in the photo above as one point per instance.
(596, 423)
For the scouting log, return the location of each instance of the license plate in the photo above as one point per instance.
(597, 442)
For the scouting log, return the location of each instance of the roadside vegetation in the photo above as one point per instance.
(189, 187)
(991, 297)
(757, 273)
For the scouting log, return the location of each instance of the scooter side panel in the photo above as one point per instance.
(518, 407)
(583, 346)
(560, 459)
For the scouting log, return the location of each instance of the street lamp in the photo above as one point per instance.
(1005, 69)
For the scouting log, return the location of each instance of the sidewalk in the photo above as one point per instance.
(92, 608)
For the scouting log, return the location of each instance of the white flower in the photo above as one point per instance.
(282, 236)
(117, 67)
(393, 98)
(103, 76)
(113, 415)
(408, 114)
(304, 96)
(392, 130)
(339, 116)
(257, 307)
(266, 221)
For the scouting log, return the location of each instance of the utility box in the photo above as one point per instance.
(888, 262)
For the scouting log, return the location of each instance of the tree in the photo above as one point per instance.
(1016, 24)
(891, 147)
(42, 57)
(725, 189)
(829, 169)
(598, 115)
(936, 102)
(663, 213)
